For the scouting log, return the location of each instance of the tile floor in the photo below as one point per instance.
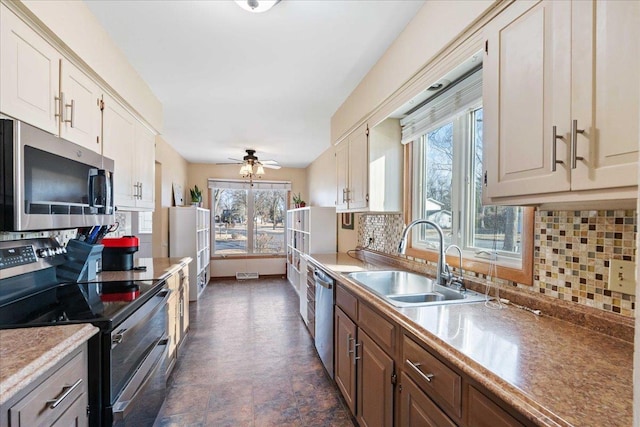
(249, 361)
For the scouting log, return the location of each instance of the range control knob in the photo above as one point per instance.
(42, 253)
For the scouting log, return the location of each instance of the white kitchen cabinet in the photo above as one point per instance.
(144, 171)
(190, 235)
(80, 100)
(29, 74)
(560, 102)
(369, 169)
(309, 230)
(132, 147)
(40, 87)
(352, 158)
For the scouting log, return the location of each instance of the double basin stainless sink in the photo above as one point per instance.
(406, 289)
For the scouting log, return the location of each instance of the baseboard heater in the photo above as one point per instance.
(245, 276)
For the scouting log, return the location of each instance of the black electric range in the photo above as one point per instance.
(128, 356)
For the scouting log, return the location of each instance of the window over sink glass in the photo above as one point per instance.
(445, 137)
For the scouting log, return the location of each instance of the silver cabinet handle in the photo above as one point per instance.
(349, 339)
(554, 139)
(72, 106)
(66, 391)
(355, 352)
(574, 143)
(416, 368)
(344, 195)
(58, 107)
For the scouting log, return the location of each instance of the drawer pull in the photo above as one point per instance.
(416, 367)
(66, 391)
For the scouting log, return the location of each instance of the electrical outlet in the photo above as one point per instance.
(622, 276)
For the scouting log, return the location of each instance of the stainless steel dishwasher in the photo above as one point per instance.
(325, 287)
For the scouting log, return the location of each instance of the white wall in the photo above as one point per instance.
(435, 26)
(73, 23)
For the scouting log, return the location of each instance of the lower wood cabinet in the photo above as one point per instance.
(58, 398)
(344, 363)
(483, 412)
(416, 409)
(178, 314)
(375, 376)
(364, 373)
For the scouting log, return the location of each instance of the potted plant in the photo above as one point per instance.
(196, 196)
(298, 202)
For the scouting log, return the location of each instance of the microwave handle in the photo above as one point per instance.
(105, 190)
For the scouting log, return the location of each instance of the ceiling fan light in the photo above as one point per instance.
(260, 170)
(256, 6)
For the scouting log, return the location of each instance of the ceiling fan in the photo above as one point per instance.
(251, 159)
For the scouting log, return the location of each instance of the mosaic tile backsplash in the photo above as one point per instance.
(572, 250)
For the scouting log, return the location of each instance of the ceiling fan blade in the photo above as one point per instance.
(272, 166)
(228, 163)
(268, 162)
(236, 160)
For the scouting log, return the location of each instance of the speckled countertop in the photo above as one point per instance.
(26, 353)
(157, 268)
(554, 372)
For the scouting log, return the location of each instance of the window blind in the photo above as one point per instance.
(241, 184)
(455, 99)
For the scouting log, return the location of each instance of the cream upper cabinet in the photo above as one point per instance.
(119, 130)
(352, 161)
(29, 74)
(342, 175)
(132, 147)
(605, 88)
(144, 172)
(369, 169)
(526, 92)
(561, 102)
(81, 115)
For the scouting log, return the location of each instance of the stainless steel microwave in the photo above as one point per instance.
(49, 183)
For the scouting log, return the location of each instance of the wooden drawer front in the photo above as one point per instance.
(382, 331)
(484, 413)
(417, 410)
(441, 383)
(35, 408)
(347, 302)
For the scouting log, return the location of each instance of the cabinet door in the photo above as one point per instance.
(185, 308)
(342, 177)
(417, 410)
(81, 116)
(118, 144)
(345, 368)
(526, 92)
(173, 314)
(484, 413)
(605, 87)
(145, 163)
(375, 389)
(76, 415)
(359, 169)
(29, 74)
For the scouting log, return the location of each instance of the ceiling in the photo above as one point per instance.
(230, 80)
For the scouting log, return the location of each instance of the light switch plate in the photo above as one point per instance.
(622, 276)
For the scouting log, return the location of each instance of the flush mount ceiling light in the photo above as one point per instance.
(257, 6)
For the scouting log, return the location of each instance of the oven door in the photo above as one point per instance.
(137, 358)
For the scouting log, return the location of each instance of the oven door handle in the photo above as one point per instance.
(147, 310)
(144, 374)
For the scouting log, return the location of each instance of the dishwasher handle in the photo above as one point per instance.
(322, 279)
